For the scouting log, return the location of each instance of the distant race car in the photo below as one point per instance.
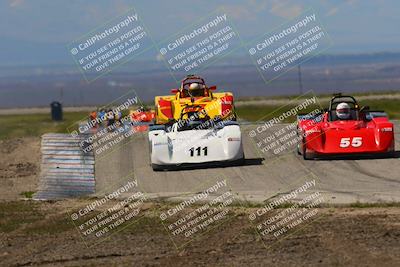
(187, 142)
(141, 118)
(194, 96)
(141, 115)
(345, 128)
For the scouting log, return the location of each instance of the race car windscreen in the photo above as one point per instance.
(194, 125)
(353, 115)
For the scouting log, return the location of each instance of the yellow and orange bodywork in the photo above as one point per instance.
(172, 107)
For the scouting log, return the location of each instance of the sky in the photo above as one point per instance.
(38, 31)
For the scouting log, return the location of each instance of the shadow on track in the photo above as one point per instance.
(212, 165)
(395, 154)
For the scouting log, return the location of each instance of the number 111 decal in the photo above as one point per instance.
(198, 151)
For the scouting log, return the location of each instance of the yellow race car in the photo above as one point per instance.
(194, 98)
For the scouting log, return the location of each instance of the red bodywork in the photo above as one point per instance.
(143, 116)
(370, 132)
(141, 119)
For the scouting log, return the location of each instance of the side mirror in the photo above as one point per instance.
(212, 88)
(174, 91)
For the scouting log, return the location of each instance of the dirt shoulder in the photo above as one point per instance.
(42, 233)
(19, 166)
(36, 233)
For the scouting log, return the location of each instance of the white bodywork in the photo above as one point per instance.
(195, 146)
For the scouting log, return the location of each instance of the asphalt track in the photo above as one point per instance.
(264, 175)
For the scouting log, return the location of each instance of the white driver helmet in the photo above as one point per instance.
(343, 111)
(194, 86)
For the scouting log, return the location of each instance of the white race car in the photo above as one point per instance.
(195, 142)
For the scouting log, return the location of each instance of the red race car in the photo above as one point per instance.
(345, 128)
(142, 114)
(141, 118)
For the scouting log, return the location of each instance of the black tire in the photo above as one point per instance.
(391, 154)
(306, 155)
(156, 167)
(241, 161)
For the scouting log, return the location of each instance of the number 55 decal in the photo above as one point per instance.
(355, 142)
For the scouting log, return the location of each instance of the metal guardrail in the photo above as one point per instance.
(66, 171)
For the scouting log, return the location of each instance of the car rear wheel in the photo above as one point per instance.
(306, 155)
(242, 160)
(156, 167)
